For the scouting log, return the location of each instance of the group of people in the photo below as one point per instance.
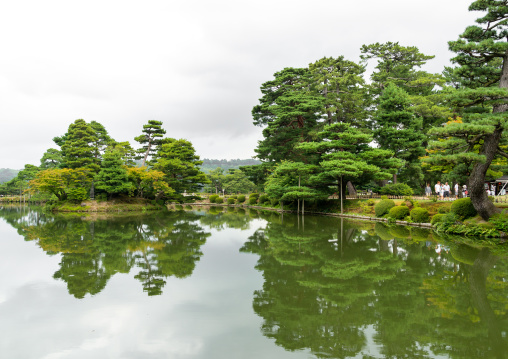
(444, 190)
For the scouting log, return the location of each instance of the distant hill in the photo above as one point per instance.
(6, 174)
(209, 164)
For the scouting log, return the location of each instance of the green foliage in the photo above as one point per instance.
(180, 165)
(420, 215)
(289, 110)
(398, 212)
(212, 198)
(383, 207)
(500, 221)
(397, 189)
(370, 202)
(77, 147)
(263, 199)
(443, 210)
(77, 194)
(254, 195)
(253, 200)
(463, 208)
(113, 178)
(231, 200)
(150, 139)
(219, 200)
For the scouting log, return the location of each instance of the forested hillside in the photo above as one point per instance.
(211, 164)
(6, 174)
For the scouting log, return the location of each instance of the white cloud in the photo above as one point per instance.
(196, 65)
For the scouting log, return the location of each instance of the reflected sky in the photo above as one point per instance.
(207, 315)
(244, 284)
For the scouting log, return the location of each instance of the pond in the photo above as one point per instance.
(237, 283)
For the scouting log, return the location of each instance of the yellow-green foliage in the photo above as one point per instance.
(437, 218)
(463, 208)
(383, 206)
(398, 212)
(420, 215)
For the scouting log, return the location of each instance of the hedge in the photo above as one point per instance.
(463, 208)
(383, 206)
(420, 215)
(398, 212)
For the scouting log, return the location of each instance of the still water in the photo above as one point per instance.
(234, 283)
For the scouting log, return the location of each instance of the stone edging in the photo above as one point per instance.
(362, 218)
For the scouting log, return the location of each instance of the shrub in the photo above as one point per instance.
(219, 200)
(254, 195)
(263, 199)
(253, 200)
(420, 215)
(231, 200)
(213, 197)
(383, 206)
(500, 221)
(240, 198)
(397, 189)
(370, 202)
(398, 212)
(274, 201)
(437, 218)
(77, 194)
(463, 208)
(443, 210)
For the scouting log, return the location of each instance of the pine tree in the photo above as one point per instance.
(397, 129)
(482, 81)
(78, 149)
(152, 133)
(112, 178)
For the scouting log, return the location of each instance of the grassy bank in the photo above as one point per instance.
(116, 205)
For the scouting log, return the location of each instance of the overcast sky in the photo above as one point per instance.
(195, 65)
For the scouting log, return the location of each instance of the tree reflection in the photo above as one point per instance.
(344, 290)
(158, 245)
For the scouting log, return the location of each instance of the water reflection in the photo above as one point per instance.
(158, 246)
(331, 287)
(344, 290)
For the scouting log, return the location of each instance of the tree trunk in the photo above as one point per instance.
(351, 188)
(476, 187)
(477, 284)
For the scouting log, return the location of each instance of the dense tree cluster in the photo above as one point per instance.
(405, 125)
(90, 163)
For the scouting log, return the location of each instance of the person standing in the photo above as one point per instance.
(446, 191)
(456, 190)
(437, 188)
(428, 190)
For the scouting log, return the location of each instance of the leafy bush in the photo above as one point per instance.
(231, 200)
(253, 200)
(254, 195)
(500, 221)
(437, 218)
(463, 208)
(383, 206)
(397, 189)
(443, 210)
(398, 212)
(77, 194)
(213, 197)
(274, 201)
(370, 202)
(263, 199)
(240, 198)
(420, 215)
(219, 200)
